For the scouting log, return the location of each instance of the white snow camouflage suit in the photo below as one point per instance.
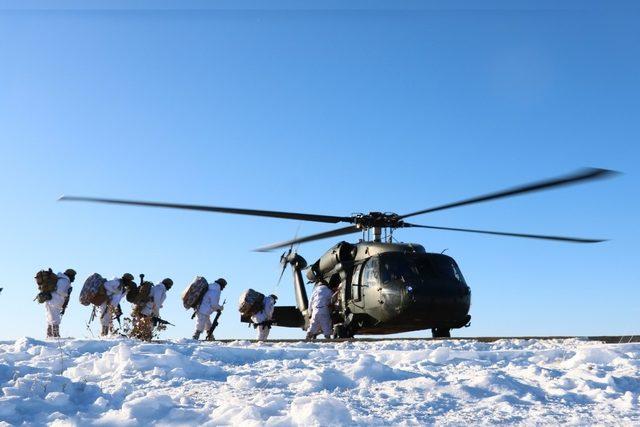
(264, 315)
(320, 307)
(115, 292)
(53, 307)
(210, 303)
(157, 296)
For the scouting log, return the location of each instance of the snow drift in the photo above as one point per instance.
(123, 382)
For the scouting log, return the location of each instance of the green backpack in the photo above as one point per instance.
(143, 295)
(47, 281)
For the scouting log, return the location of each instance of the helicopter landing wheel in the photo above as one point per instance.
(441, 333)
(342, 331)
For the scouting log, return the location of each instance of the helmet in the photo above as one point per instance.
(168, 283)
(221, 282)
(127, 277)
(70, 273)
(275, 297)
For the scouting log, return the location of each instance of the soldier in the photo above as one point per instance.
(320, 306)
(56, 306)
(210, 303)
(110, 309)
(262, 319)
(147, 314)
(157, 296)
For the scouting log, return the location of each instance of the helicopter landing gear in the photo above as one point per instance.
(342, 331)
(441, 333)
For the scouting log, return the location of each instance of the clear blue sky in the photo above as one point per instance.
(391, 106)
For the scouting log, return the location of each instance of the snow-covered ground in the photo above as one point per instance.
(122, 382)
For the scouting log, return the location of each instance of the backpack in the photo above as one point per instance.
(93, 291)
(132, 294)
(143, 295)
(47, 281)
(193, 294)
(250, 302)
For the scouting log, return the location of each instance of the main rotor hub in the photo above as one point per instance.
(377, 220)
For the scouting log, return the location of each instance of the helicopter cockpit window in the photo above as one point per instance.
(356, 284)
(447, 267)
(392, 268)
(371, 272)
(395, 266)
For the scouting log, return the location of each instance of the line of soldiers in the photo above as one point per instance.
(147, 299)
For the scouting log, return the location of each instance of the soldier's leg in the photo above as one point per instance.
(263, 332)
(201, 320)
(105, 319)
(207, 327)
(53, 318)
(326, 325)
(314, 327)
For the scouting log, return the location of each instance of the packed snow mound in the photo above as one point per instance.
(125, 382)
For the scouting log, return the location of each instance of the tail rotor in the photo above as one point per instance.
(285, 257)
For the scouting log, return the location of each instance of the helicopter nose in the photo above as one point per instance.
(441, 302)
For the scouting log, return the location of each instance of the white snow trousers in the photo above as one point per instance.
(263, 332)
(320, 322)
(53, 313)
(203, 322)
(105, 315)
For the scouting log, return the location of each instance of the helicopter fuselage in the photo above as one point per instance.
(385, 288)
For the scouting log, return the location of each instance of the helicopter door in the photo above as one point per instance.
(356, 285)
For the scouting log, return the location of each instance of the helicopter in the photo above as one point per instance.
(382, 286)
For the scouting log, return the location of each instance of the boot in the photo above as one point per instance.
(105, 331)
(55, 330)
(210, 335)
(196, 335)
(49, 331)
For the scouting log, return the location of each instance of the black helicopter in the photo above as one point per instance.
(384, 287)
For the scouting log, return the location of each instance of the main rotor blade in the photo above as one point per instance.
(586, 174)
(500, 233)
(333, 233)
(253, 212)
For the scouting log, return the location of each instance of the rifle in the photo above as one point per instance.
(156, 320)
(93, 316)
(214, 324)
(66, 302)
